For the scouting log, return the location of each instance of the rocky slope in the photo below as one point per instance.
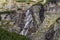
(38, 22)
(48, 30)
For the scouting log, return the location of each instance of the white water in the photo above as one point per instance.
(27, 24)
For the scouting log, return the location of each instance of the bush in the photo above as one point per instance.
(5, 35)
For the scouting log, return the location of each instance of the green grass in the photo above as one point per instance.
(5, 35)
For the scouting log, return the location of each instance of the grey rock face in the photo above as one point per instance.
(45, 30)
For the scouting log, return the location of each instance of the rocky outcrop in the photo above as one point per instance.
(38, 22)
(47, 29)
(12, 15)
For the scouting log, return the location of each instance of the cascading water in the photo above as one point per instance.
(28, 21)
(33, 19)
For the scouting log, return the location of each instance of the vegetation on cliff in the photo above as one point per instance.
(5, 35)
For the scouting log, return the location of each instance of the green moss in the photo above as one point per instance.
(6, 12)
(20, 0)
(23, 0)
(5, 35)
(7, 25)
(6, 21)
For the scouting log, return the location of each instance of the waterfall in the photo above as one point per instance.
(28, 21)
(34, 16)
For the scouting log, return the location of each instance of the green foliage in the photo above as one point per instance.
(6, 12)
(20, 0)
(23, 0)
(5, 35)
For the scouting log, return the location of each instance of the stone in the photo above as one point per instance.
(51, 15)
